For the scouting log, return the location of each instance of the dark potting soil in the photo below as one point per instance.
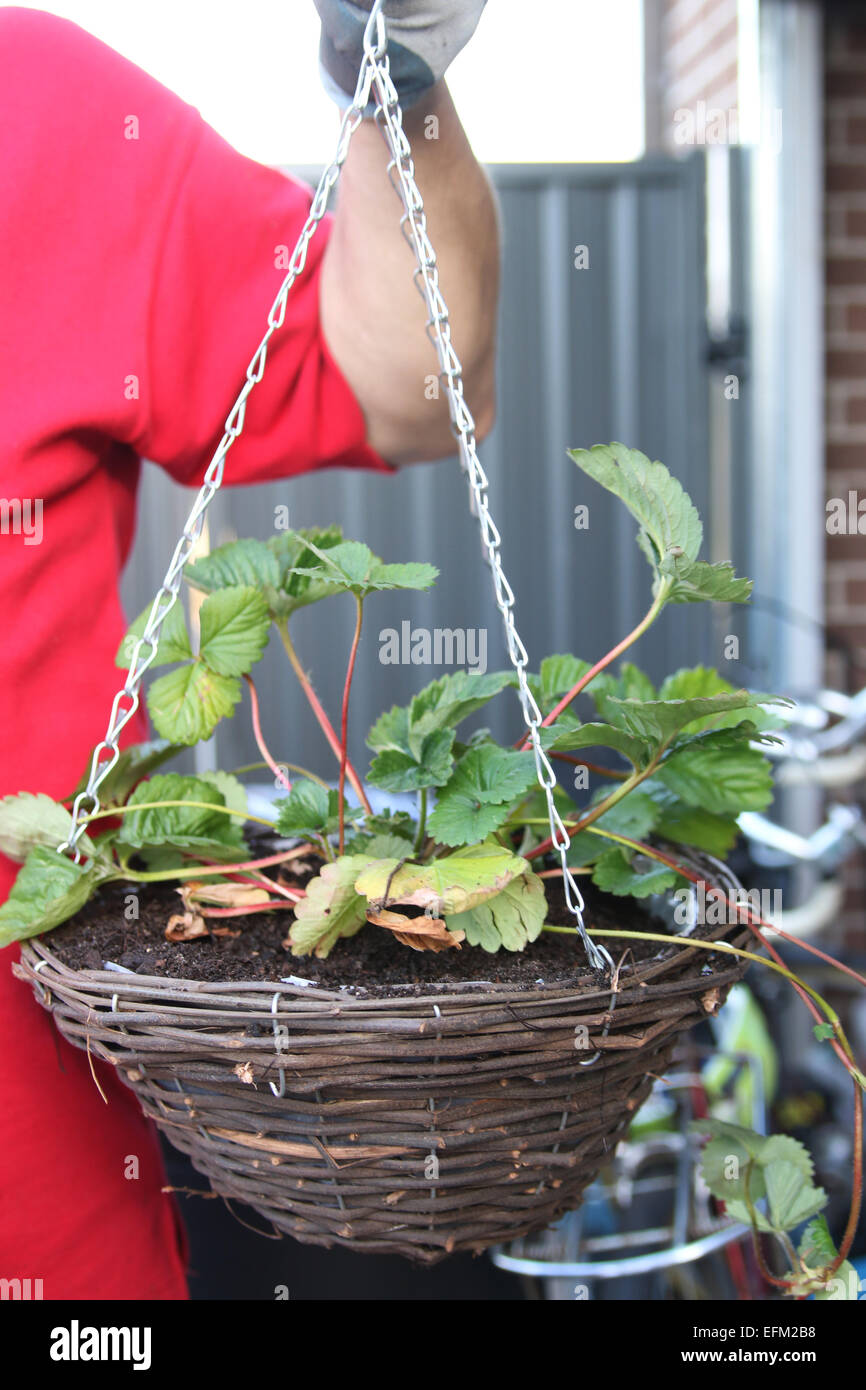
(370, 962)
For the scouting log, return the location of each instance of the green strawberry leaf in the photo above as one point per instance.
(818, 1251)
(234, 630)
(658, 721)
(697, 681)
(305, 810)
(249, 563)
(396, 771)
(446, 702)
(476, 799)
(557, 675)
(669, 523)
(719, 773)
(193, 825)
(511, 919)
(387, 822)
(791, 1199)
(173, 645)
(188, 703)
(566, 735)
(747, 1139)
(491, 774)
(817, 1248)
(296, 589)
(670, 532)
(635, 817)
(331, 909)
(379, 846)
(615, 873)
(351, 567)
(460, 819)
(696, 581)
(135, 762)
(390, 733)
(631, 683)
(29, 819)
(49, 890)
(690, 825)
(725, 1170)
(232, 790)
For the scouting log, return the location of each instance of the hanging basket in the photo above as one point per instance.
(418, 1124)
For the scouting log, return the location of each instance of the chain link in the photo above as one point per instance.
(401, 172)
(374, 73)
(127, 701)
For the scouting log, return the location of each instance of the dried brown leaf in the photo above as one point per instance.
(185, 926)
(421, 933)
(226, 894)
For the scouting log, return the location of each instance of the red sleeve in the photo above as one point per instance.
(231, 229)
(161, 250)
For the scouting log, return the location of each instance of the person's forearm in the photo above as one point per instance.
(372, 314)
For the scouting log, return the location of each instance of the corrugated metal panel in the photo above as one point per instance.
(614, 351)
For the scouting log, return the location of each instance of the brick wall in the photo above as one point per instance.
(845, 232)
(845, 365)
(699, 55)
(697, 58)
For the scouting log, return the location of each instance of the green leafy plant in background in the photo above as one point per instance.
(766, 1182)
(678, 764)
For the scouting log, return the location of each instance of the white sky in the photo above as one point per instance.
(543, 80)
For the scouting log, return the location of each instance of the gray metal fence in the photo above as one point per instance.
(615, 350)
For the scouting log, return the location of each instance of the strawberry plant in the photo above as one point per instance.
(471, 867)
(681, 761)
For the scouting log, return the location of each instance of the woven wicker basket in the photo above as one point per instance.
(419, 1124)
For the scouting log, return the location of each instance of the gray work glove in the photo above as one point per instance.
(423, 38)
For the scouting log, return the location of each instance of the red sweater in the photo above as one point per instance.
(139, 255)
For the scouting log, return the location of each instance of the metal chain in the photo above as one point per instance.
(375, 72)
(126, 701)
(401, 172)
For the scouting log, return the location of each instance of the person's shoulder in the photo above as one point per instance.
(36, 34)
(47, 59)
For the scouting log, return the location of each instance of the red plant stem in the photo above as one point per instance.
(296, 853)
(272, 886)
(717, 893)
(590, 767)
(857, 1174)
(324, 722)
(857, 1184)
(737, 1269)
(242, 911)
(751, 921)
(344, 720)
(282, 779)
(612, 655)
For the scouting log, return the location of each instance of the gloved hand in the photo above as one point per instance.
(423, 38)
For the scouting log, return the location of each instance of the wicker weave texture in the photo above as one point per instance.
(417, 1124)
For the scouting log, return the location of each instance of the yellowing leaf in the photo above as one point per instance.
(28, 819)
(511, 919)
(228, 894)
(331, 909)
(453, 884)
